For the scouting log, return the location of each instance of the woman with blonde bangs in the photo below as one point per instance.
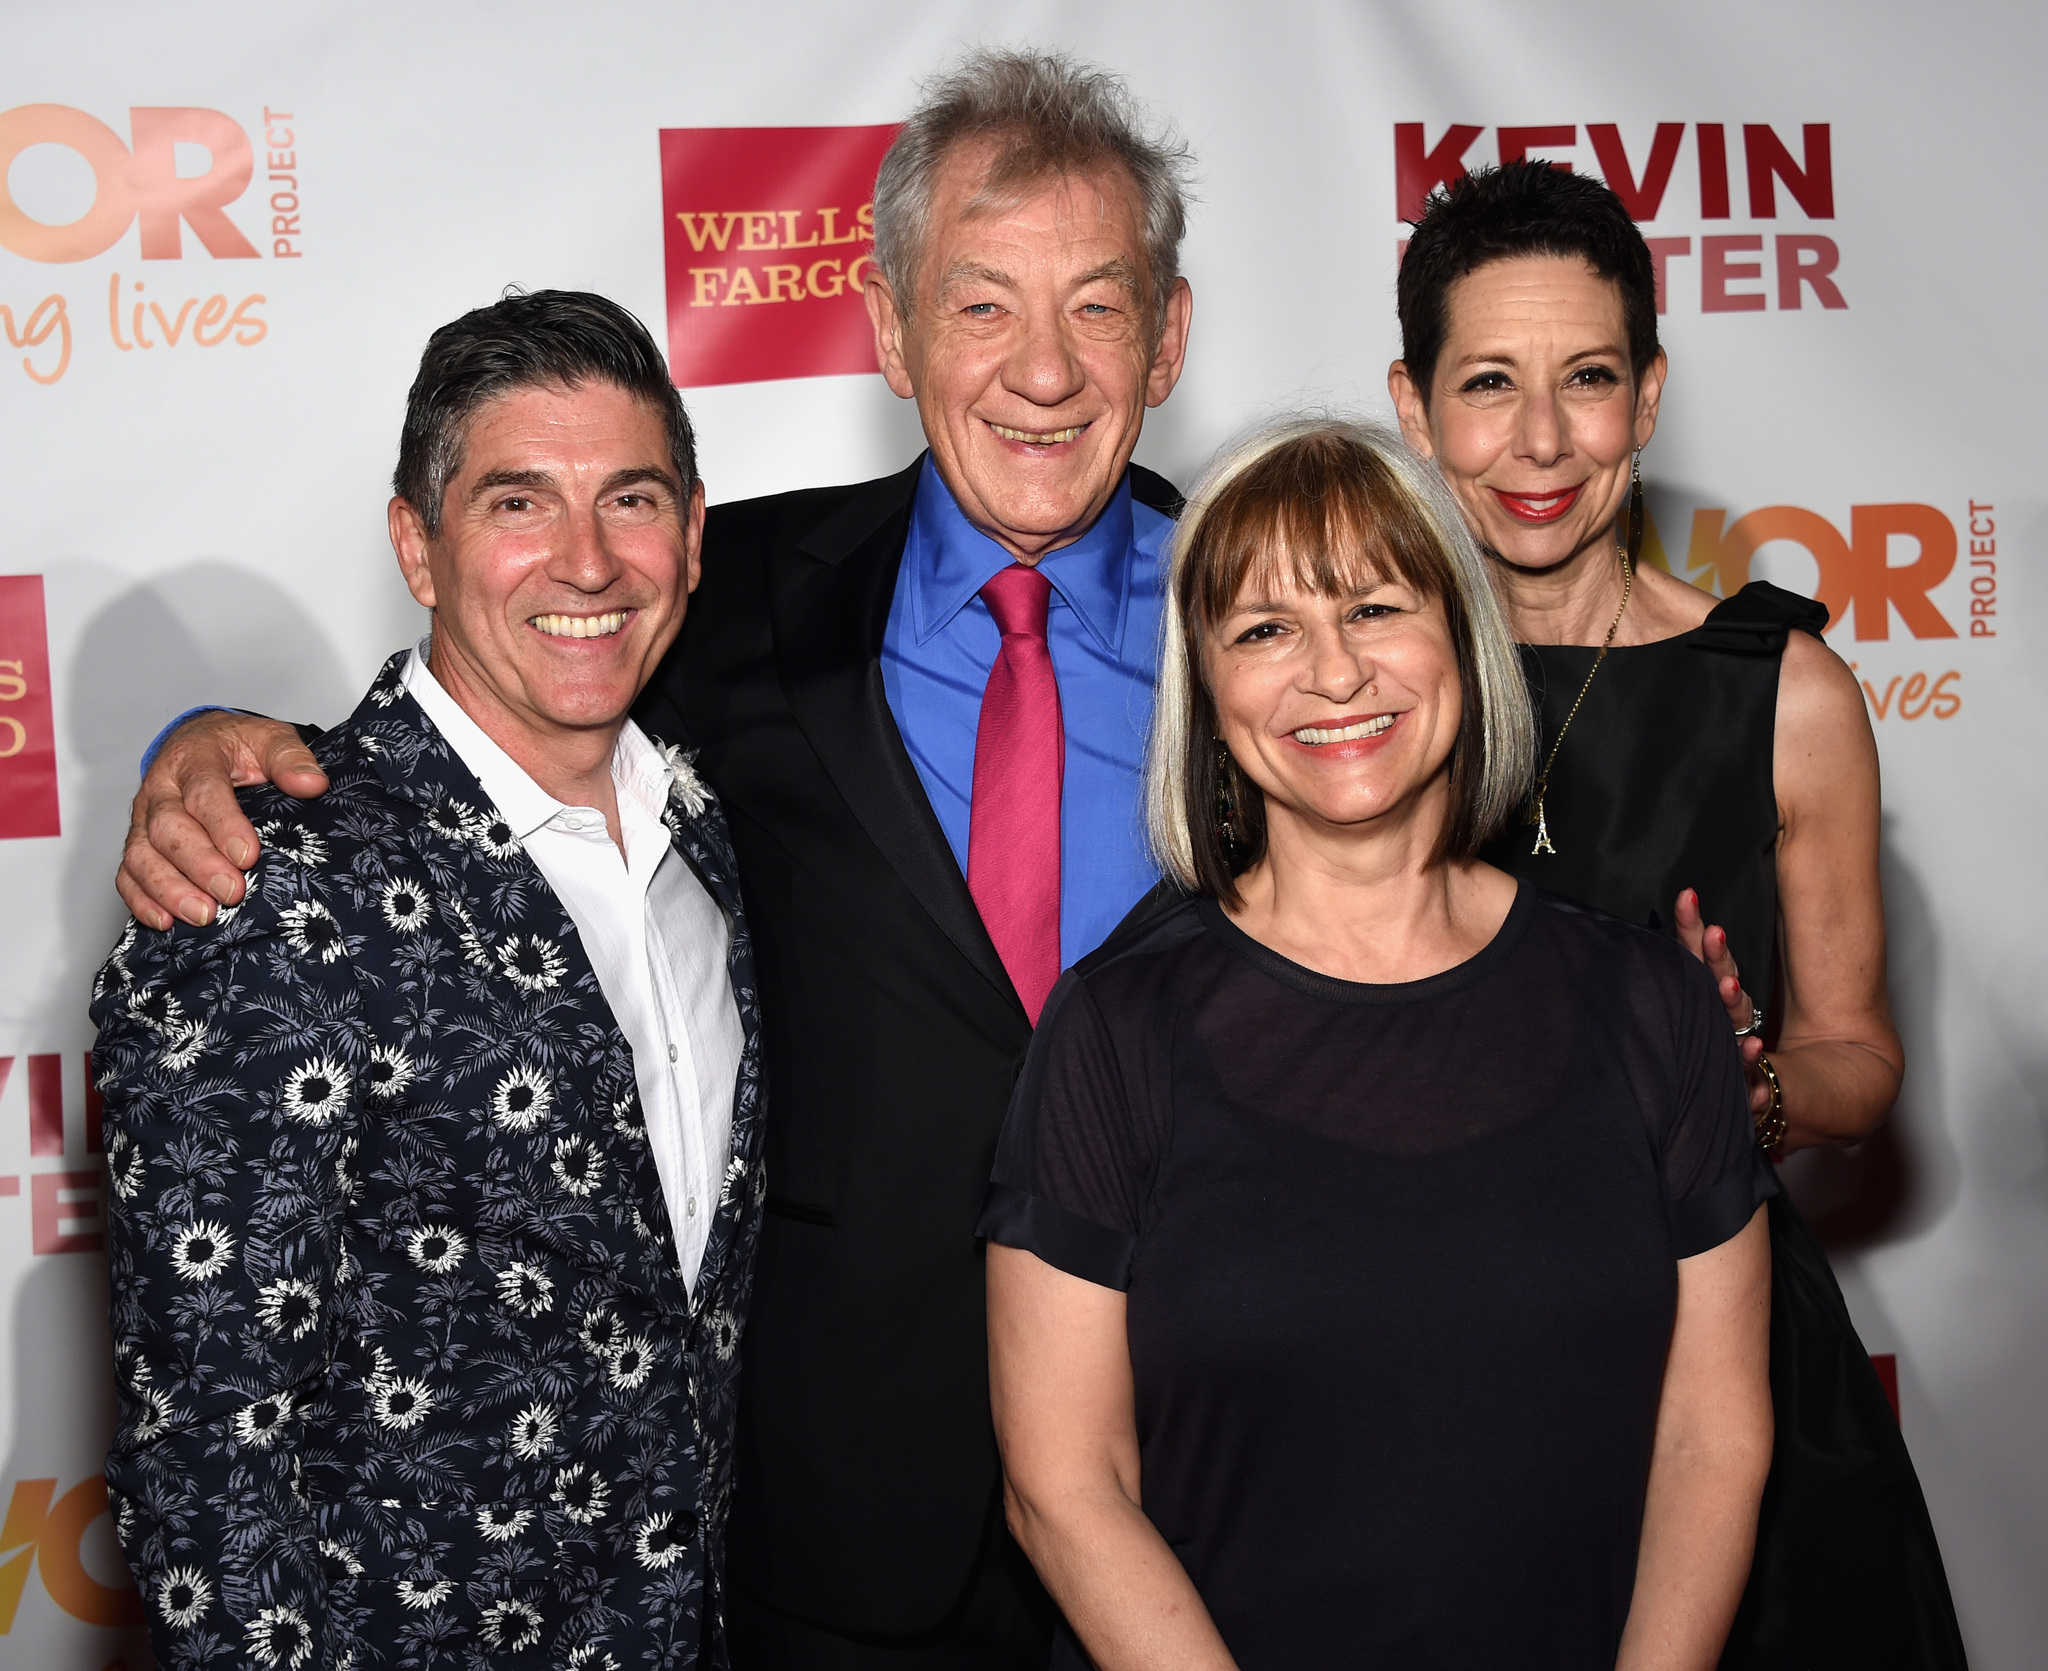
(1377, 1271)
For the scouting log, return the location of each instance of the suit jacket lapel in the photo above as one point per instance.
(830, 598)
(416, 762)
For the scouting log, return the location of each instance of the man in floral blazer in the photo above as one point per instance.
(435, 1187)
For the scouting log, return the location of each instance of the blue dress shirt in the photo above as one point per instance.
(1102, 627)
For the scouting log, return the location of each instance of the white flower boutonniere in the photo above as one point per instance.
(685, 787)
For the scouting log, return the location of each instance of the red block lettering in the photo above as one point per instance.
(1641, 201)
(67, 1212)
(1717, 272)
(1661, 251)
(1794, 270)
(1712, 142)
(1516, 143)
(46, 1105)
(1812, 186)
(1419, 171)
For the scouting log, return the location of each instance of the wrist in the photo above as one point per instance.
(156, 743)
(1770, 1121)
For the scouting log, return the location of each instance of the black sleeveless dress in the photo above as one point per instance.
(1663, 783)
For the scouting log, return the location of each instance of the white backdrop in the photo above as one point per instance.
(207, 521)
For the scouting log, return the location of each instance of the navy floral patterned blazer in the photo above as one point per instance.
(408, 1376)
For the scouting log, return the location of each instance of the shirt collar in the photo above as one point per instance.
(637, 766)
(949, 561)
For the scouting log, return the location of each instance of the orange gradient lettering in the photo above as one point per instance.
(54, 1533)
(1856, 574)
(144, 183)
(50, 318)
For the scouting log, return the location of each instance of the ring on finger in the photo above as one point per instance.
(1756, 1023)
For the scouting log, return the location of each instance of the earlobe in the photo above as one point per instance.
(409, 545)
(1170, 356)
(1648, 399)
(888, 328)
(1409, 409)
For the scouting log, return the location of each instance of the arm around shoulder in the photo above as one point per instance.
(188, 841)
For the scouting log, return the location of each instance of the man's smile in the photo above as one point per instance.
(581, 626)
(1039, 438)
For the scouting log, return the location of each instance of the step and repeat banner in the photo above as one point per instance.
(226, 230)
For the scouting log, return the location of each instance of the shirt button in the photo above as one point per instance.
(671, 1053)
(690, 1208)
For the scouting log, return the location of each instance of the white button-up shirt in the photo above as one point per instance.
(657, 940)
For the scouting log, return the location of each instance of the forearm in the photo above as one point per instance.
(1836, 1091)
(1121, 1588)
(1699, 1533)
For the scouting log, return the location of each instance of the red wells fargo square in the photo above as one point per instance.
(28, 730)
(768, 233)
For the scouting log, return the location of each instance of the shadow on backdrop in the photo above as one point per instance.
(207, 632)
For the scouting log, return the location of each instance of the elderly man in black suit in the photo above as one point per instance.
(923, 701)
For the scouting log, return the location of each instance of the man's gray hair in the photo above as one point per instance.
(1052, 115)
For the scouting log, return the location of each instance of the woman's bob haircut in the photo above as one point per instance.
(1335, 503)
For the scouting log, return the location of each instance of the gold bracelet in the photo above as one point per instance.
(1770, 1124)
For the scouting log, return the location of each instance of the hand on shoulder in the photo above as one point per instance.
(188, 840)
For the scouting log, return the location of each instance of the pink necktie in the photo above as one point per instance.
(1020, 751)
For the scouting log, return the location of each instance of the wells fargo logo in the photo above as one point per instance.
(28, 731)
(1730, 263)
(47, 1532)
(769, 234)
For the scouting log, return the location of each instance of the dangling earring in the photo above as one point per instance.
(1638, 517)
(1226, 798)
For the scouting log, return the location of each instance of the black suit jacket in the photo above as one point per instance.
(868, 1482)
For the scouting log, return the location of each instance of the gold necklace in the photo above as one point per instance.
(1628, 580)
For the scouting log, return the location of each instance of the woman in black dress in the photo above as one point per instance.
(1389, 1230)
(1695, 757)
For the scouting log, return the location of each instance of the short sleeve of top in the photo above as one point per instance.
(1078, 1155)
(1715, 1176)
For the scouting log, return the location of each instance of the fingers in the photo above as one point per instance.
(153, 887)
(187, 837)
(137, 898)
(206, 836)
(1741, 1012)
(290, 765)
(1685, 915)
(1715, 952)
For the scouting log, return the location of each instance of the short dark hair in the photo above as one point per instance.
(524, 340)
(1499, 214)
